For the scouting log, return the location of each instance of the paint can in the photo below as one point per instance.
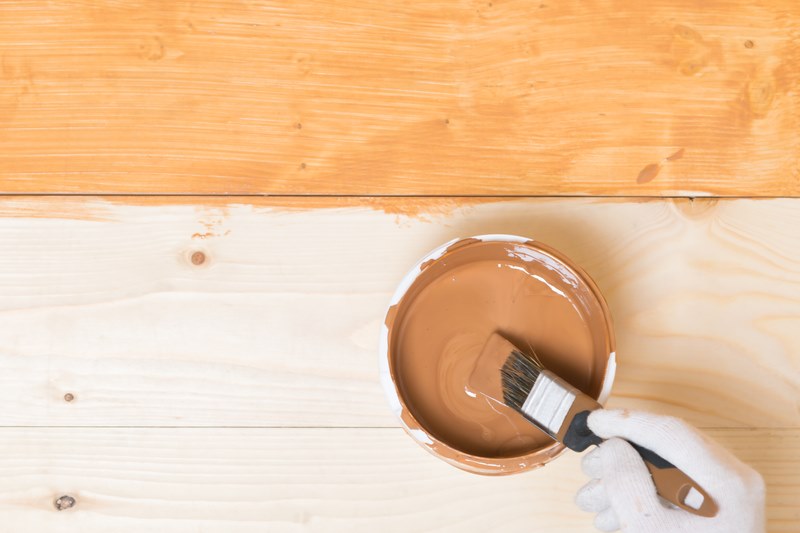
(442, 312)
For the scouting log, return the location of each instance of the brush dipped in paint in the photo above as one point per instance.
(562, 411)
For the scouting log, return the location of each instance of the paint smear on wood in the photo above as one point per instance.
(212, 210)
(402, 98)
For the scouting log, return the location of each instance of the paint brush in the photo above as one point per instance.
(562, 411)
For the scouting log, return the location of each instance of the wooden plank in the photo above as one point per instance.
(234, 480)
(278, 326)
(609, 97)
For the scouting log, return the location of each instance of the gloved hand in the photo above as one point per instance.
(622, 491)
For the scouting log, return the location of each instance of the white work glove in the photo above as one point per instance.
(622, 490)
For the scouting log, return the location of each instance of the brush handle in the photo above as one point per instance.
(675, 486)
(671, 483)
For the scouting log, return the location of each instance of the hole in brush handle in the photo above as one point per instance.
(675, 486)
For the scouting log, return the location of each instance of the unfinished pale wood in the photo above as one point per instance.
(278, 326)
(664, 97)
(235, 480)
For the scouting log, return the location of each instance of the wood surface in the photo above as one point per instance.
(238, 391)
(457, 97)
(205, 207)
(314, 480)
(279, 325)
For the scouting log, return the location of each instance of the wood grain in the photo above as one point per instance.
(277, 323)
(608, 97)
(287, 480)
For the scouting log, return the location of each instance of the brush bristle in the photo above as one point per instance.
(518, 375)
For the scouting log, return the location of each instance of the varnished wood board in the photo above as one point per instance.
(278, 325)
(285, 480)
(608, 97)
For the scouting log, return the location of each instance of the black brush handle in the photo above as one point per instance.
(579, 437)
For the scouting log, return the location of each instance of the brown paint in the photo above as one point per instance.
(426, 264)
(527, 292)
(391, 314)
(209, 235)
(81, 208)
(101, 208)
(484, 380)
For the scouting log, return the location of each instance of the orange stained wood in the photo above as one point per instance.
(457, 97)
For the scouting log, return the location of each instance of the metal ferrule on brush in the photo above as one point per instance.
(549, 402)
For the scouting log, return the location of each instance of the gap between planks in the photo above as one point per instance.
(490, 197)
